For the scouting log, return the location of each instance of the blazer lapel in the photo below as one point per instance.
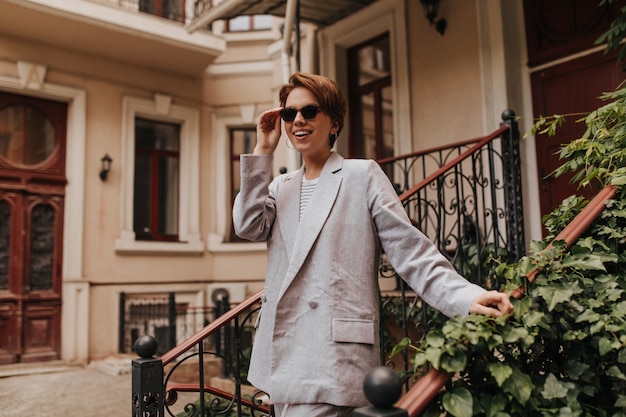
(314, 217)
(289, 209)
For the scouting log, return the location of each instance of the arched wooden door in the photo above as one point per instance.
(32, 188)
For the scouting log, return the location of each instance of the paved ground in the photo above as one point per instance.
(102, 389)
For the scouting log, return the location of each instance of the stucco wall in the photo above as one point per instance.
(445, 76)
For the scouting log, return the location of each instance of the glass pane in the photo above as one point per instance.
(142, 194)
(168, 197)
(5, 239)
(387, 123)
(368, 126)
(27, 136)
(262, 21)
(243, 141)
(41, 247)
(239, 24)
(373, 61)
(236, 179)
(150, 134)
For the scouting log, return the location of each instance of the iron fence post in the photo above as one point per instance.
(122, 322)
(147, 380)
(513, 187)
(221, 300)
(171, 318)
(382, 387)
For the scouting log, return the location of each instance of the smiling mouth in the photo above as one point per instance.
(301, 133)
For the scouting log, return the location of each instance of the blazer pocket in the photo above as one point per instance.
(353, 331)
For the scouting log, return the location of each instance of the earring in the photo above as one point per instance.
(332, 138)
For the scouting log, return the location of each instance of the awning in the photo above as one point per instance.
(320, 12)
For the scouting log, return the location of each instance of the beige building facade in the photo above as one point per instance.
(116, 68)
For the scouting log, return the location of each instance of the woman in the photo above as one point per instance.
(325, 225)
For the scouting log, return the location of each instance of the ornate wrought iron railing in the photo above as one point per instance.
(466, 198)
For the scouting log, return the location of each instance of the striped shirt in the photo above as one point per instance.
(308, 186)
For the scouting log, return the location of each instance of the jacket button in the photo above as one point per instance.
(313, 304)
(263, 298)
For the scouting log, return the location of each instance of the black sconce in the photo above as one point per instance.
(431, 10)
(106, 166)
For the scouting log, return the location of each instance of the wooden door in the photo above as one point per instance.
(557, 32)
(32, 184)
(572, 88)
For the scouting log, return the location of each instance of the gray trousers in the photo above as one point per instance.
(311, 410)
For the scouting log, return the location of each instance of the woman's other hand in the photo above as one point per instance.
(492, 303)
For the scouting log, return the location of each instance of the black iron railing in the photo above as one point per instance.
(168, 320)
(466, 198)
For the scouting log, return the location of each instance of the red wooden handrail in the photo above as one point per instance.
(427, 387)
(210, 328)
(423, 183)
(576, 227)
(429, 150)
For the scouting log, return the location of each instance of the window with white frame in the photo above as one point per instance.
(160, 188)
(155, 205)
(249, 23)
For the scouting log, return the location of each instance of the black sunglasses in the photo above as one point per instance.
(309, 112)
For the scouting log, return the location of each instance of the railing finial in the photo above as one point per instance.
(382, 387)
(508, 115)
(146, 346)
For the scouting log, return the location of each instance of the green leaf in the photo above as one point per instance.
(455, 362)
(575, 369)
(459, 403)
(519, 385)
(589, 316)
(533, 318)
(435, 338)
(555, 295)
(515, 334)
(500, 371)
(615, 372)
(402, 344)
(583, 263)
(604, 346)
(553, 388)
(433, 355)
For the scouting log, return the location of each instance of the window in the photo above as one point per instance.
(249, 23)
(160, 196)
(169, 9)
(371, 101)
(242, 141)
(155, 214)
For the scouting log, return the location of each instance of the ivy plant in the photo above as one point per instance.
(562, 352)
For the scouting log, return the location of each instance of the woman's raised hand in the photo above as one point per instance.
(268, 132)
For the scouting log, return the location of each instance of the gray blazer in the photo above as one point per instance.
(317, 335)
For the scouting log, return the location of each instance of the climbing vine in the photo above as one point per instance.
(562, 352)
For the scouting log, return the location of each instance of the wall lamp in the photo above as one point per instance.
(431, 10)
(106, 166)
